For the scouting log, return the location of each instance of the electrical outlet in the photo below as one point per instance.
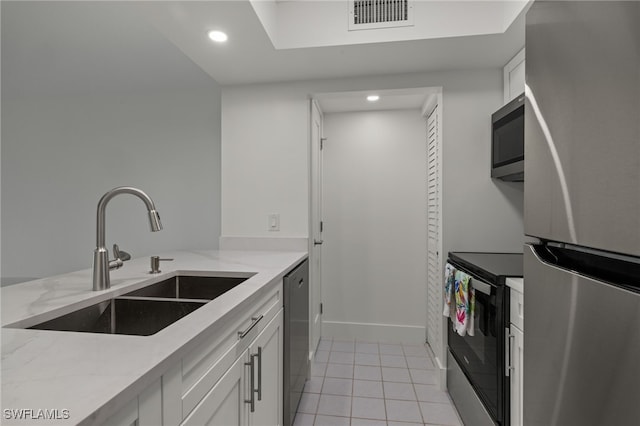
(274, 222)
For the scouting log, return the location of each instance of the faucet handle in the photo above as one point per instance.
(119, 258)
(122, 255)
(155, 264)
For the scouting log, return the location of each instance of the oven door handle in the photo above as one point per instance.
(510, 340)
(480, 286)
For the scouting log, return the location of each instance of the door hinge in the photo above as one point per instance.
(321, 309)
(322, 143)
(321, 226)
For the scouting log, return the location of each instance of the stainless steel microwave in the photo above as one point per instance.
(507, 141)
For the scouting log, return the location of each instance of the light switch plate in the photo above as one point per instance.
(274, 222)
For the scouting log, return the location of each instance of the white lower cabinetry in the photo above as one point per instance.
(144, 410)
(516, 347)
(237, 399)
(225, 402)
(212, 384)
(517, 351)
(268, 374)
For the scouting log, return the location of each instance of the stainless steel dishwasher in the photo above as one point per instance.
(296, 338)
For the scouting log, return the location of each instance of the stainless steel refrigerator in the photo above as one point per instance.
(582, 205)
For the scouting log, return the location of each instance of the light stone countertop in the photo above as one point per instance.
(516, 284)
(94, 375)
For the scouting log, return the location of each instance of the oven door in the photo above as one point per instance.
(481, 356)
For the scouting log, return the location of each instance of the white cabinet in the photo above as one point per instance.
(239, 336)
(250, 392)
(517, 351)
(516, 356)
(225, 403)
(212, 384)
(235, 376)
(144, 410)
(514, 77)
(268, 376)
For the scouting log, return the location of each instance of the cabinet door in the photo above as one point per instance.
(268, 376)
(517, 352)
(127, 416)
(144, 410)
(225, 403)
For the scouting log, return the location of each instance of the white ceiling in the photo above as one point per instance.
(250, 57)
(78, 46)
(411, 98)
(316, 23)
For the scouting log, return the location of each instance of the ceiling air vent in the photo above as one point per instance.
(369, 14)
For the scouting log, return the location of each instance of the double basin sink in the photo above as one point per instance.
(145, 311)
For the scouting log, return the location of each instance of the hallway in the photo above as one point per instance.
(357, 383)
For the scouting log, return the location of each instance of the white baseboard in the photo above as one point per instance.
(442, 369)
(442, 377)
(264, 243)
(374, 332)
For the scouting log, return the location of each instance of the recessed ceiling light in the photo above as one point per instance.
(218, 36)
(373, 98)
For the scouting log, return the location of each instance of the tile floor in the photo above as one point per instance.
(356, 383)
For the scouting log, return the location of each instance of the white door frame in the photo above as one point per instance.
(315, 227)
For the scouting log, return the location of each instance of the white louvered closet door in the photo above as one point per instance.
(434, 244)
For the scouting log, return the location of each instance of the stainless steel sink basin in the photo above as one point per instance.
(145, 311)
(123, 316)
(189, 287)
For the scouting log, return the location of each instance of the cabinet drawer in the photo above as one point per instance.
(517, 309)
(202, 369)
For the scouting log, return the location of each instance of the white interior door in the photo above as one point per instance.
(315, 248)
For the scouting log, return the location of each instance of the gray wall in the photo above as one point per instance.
(80, 118)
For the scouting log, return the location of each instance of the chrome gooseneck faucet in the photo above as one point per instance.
(101, 263)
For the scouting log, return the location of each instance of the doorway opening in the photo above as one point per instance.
(369, 210)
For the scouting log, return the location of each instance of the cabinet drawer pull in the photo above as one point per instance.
(254, 321)
(251, 401)
(259, 390)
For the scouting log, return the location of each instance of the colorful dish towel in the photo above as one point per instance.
(449, 285)
(459, 293)
(465, 304)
